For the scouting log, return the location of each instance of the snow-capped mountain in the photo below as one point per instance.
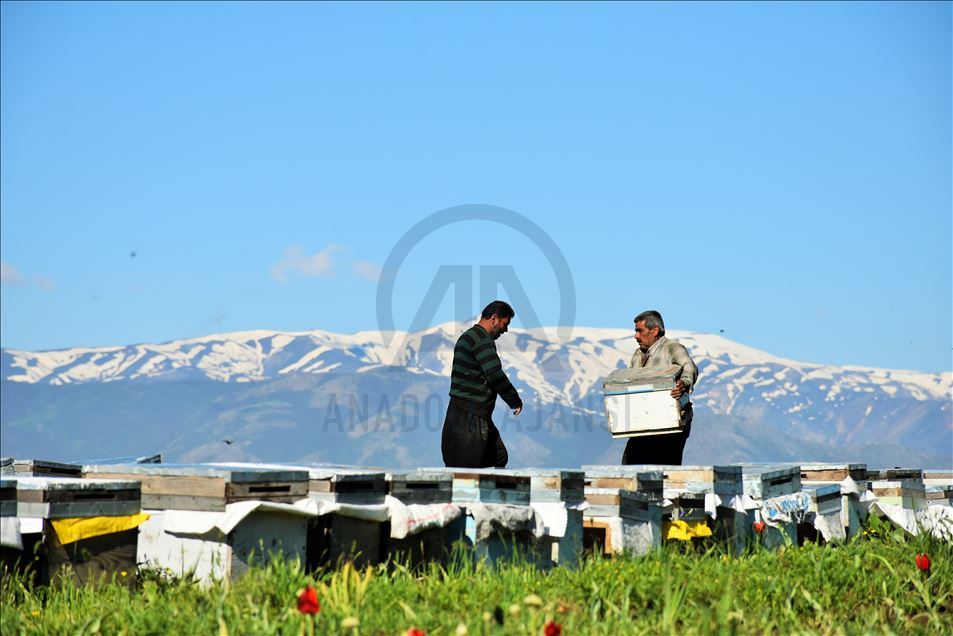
(886, 416)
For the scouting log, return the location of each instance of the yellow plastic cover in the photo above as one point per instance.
(685, 530)
(74, 529)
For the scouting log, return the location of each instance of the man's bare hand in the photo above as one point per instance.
(518, 411)
(678, 390)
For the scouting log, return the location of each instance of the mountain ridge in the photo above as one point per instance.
(261, 380)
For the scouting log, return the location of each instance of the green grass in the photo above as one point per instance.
(870, 585)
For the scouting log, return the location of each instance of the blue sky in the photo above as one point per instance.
(781, 172)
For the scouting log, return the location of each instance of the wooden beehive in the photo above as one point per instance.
(639, 402)
(909, 494)
(420, 487)
(347, 485)
(8, 497)
(830, 472)
(894, 474)
(489, 485)
(42, 467)
(645, 480)
(764, 481)
(206, 487)
(61, 497)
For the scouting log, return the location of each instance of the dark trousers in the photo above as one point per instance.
(471, 440)
(659, 449)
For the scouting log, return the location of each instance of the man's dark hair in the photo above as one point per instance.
(652, 320)
(498, 308)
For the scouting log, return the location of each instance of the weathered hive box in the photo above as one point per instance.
(206, 487)
(639, 402)
(347, 485)
(488, 485)
(616, 502)
(619, 520)
(553, 484)
(557, 495)
(894, 474)
(724, 481)
(41, 468)
(8, 497)
(940, 495)
(833, 473)
(130, 459)
(194, 544)
(853, 510)
(61, 497)
(764, 481)
(688, 506)
(824, 499)
(645, 480)
(942, 477)
(420, 487)
(89, 526)
(909, 494)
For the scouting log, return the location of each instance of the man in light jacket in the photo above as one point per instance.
(655, 350)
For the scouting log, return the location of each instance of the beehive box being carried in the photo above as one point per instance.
(206, 487)
(853, 510)
(639, 402)
(89, 525)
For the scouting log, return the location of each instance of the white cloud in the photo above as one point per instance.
(44, 283)
(367, 270)
(296, 261)
(10, 275)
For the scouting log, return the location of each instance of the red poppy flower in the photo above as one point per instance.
(553, 629)
(308, 601)
(923, 562)
(759, 526)
(413, 631)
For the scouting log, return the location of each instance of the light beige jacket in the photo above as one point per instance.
(666, 353)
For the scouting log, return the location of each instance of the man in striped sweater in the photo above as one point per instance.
(470, 439)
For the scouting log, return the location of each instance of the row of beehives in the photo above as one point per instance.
(210, 520)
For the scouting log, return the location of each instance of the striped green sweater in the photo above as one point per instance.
(477, 374)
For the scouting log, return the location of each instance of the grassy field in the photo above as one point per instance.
(871, 585)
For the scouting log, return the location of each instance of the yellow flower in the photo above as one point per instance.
(35, 612)
(515, 609)
(462, 630)
(487, 617)
(123, 573)
(350, 622)
(533, 600)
